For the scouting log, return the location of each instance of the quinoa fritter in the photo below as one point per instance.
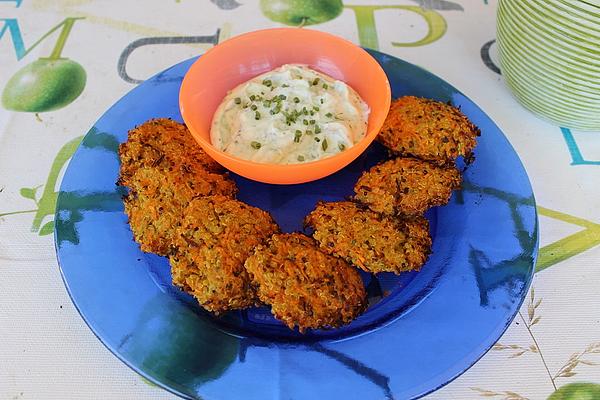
(429, 130)
(165, 144)
(371, 241)
(304, 286)
(164, 170)
(216, 236)
(156, 201)
(406, 186)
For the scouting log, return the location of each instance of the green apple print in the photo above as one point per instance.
(301, 12)
(577, 391)
(46, 84)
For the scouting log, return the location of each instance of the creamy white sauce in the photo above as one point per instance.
(289, 115)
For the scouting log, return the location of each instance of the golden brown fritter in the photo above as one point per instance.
(429, 130)
(304, 286)
(369, 240)
(216, 236)
(406, 186)
(165, 144)
(156, 201)
(164, 170)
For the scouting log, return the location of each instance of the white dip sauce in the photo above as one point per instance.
(289, 115)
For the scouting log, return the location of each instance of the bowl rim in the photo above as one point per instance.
(242, 161)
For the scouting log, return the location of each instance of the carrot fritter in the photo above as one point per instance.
(406, 186)
(214, 239)
(429, 130)
(165, 144)
(369, 240)
(304, 286)
(156, 201)
(164, 171)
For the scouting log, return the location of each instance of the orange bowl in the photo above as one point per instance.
(243, 57)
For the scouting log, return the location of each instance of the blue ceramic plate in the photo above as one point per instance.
(421, 330)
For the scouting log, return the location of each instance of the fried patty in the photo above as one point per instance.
(164, 144)
(217, 234)
(406, 186)
(429, 130)
(369, 240)
(162, 179)
(304, 286)
(156, 201)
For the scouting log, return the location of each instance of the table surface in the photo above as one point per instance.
(47, 351)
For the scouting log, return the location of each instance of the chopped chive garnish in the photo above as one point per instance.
(298, 132)
(317, 139)
(315, 82)
(296, 100)
(267, 82)
(257, 115)
(317, 129)
(305, 122)
(252, 97)
(312, 122)
(316, 108)
(312, 112)
(300, 157)
(322, 101)
(267, 103)
(237, 100)
(324, 144)
(253, 107)
(282, 96)
(329, 115)
(297, 137)
(325, 86)
(289, 118)
(341, 146)
(285, 85)
(309, 132)
(255, 145)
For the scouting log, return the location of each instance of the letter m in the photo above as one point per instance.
(12, 26)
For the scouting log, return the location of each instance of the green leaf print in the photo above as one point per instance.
(47, 229)
(28, 193)
(47, 202)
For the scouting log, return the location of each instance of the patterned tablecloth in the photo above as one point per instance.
(47, 351)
